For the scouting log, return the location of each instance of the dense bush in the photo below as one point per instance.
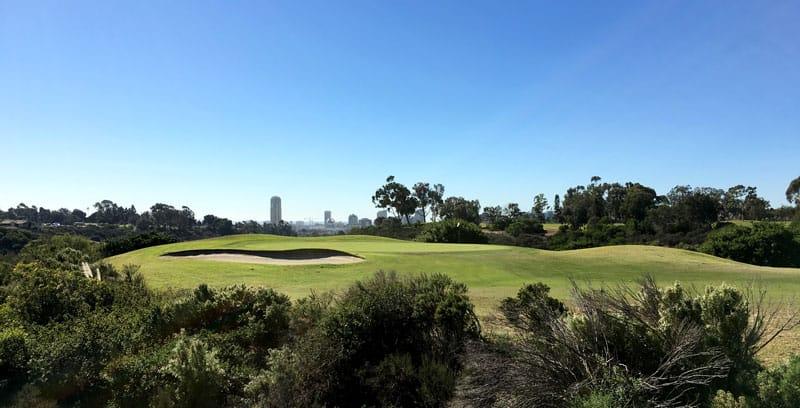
(532, 309)
(777, 387)
(40, 295)
(645, 347)
(386, 342)
(64, 252)
(129, 243)
(453, 231)
(590, 236)
(197, 375)
(13, 240)
(525, 226)
(769, 244)
(389, 228)
(13, 355)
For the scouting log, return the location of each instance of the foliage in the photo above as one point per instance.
(243, 322)
(461, 208)
(767, 244)
(198, 376)
(793, 192)
(13, 240)
(591, 236)
(124, 244)
(452, 230)
(390, 228)
(396, 197)
(13, 355)
(532, 309)
(40, 295)
(647, 346)
(385, 342)
(539, 207)
(525, 226)
(779, 387)
(64, 252)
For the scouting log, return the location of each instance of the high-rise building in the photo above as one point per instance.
(328, 219)
(352, 220)
(275, 210)
(365, 222)
(382, 214)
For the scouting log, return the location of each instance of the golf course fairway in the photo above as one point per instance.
(491, 272)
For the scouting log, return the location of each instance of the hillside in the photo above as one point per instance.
(491, 272)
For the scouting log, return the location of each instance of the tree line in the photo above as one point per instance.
(683, 208)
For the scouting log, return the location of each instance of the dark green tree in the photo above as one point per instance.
(396, 198)
(793, 192)
(459, 207)
(540, 205)
(422, 192)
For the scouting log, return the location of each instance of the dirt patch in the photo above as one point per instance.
(287, 257)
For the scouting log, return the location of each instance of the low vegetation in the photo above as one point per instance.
(642, 346)
(385, 340)
(757, 244)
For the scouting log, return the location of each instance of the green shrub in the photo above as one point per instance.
(198, 377)
(385, 341)
(67, 358)
(121, 245)
(138, 380)
(65, 252)
(525, 226)
(13, 356)
(390, 228)
(725, 399)
(768, 244)
(533, 309)
(452, 231)
(41, 295)
(779, 387)
(727, 323)
(249, 321)
(596, 399)
(630, 347)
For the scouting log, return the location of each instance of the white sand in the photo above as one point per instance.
(253, 259)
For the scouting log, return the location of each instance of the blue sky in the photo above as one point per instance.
(219, 105)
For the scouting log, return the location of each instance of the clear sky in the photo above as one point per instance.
(220, 105)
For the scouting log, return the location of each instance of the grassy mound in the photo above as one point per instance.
(492, 272)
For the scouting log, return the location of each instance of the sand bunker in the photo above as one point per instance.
(287, 257)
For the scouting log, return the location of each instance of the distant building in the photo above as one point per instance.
(383, 214)
(352, 220)
(328, 219)
(365, 222)
(275, 210)
(414, 219)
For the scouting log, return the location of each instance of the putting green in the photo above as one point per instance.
(491, 272)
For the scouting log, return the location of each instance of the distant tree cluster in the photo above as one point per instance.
(39, 215)
(124, 227)
(403, 202)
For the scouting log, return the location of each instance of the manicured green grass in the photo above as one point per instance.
(491, 272)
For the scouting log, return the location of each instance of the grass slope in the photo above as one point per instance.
(491, 272)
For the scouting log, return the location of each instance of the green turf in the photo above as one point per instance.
(491, 272)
